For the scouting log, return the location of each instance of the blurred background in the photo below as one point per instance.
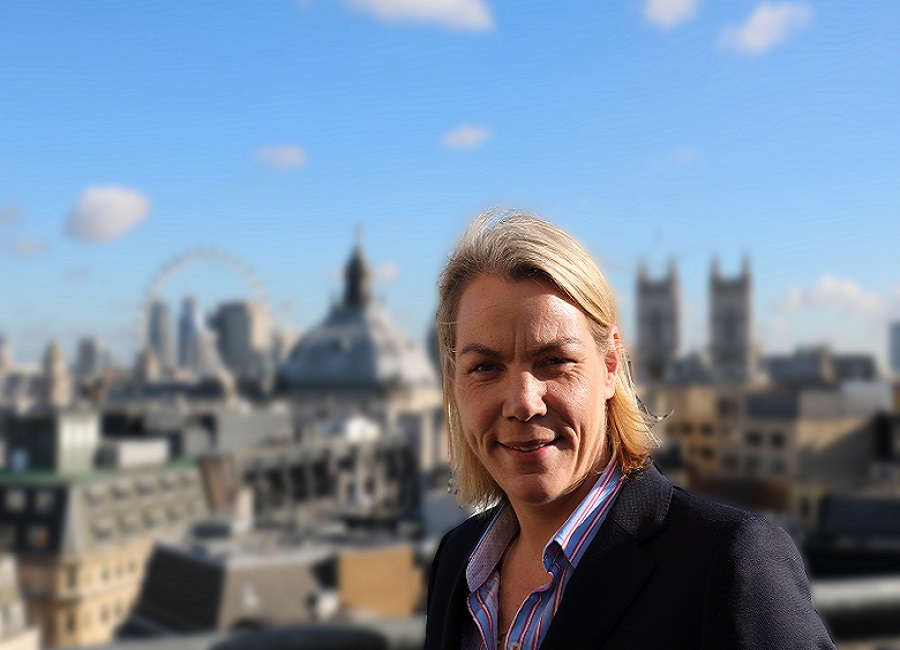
(221, 227)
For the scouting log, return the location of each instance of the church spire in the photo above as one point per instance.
(358, 276)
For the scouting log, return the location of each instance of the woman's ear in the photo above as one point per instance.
(613, 360)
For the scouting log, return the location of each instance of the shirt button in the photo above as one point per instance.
(516, 646)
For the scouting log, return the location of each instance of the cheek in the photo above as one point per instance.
(472, 399)
(577, 400)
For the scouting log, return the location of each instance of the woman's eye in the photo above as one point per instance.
(487, 366)
(555, 361)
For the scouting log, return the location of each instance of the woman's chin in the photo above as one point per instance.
(543, 492)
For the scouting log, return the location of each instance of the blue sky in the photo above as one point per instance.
(654, 130)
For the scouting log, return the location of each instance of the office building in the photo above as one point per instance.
(82, 533)
(244, 337)
(160, 336)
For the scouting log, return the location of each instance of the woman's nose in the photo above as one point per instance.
(524, 397)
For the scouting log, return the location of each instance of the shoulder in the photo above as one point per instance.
(755, 586)
(723, 522)
(743, 547)
(715, 534)
(719, 576)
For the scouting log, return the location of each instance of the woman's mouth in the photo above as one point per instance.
(529, 446)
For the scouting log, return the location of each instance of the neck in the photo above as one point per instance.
(539, 522)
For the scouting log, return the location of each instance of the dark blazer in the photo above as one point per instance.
(666, 570)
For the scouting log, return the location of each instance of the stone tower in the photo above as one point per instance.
(659, 334)
(731, 325)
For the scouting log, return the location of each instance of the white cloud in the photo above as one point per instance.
(669, 13)
(387, 272)
(10, 213)
(466, 136)
(282, 156)
(769, 25)
(473, 15)
(107, 213)
(833, 293)
(28, 247)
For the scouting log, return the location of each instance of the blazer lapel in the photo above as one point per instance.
(613, 569)
(456, 613)
(450, 613)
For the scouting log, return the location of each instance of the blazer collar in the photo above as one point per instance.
(614, 567)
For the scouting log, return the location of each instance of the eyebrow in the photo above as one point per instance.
(480, 349)
(552, 346)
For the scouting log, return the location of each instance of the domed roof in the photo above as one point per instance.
(357, 347)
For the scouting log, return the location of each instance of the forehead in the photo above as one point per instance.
(492, 309)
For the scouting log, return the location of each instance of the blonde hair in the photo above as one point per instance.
(515, 246)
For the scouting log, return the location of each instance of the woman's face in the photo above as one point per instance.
(531, 387)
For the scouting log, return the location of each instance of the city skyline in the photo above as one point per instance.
(653, 131)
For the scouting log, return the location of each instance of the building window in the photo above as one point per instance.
(130, 524)
(122, 491)
(706, 429)
(146, 487)
(727, 408)
(103, 529)
(777, 439)
(754, 465)
(96, 495)
(753, 438)
(168, 482)
(38, 537)
(153, 518)
(730, 463)
(44, 501)
(71, 577)
(7, 537)
(70, 621)
(16, 500)
(778, 467)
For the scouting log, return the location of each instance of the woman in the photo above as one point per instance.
(582, 543)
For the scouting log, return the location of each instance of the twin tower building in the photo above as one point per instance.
(730, 355)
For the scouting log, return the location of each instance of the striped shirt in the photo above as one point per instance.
(561, 556)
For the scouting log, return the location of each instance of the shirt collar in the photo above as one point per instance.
(572, 537)
(487, 553)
